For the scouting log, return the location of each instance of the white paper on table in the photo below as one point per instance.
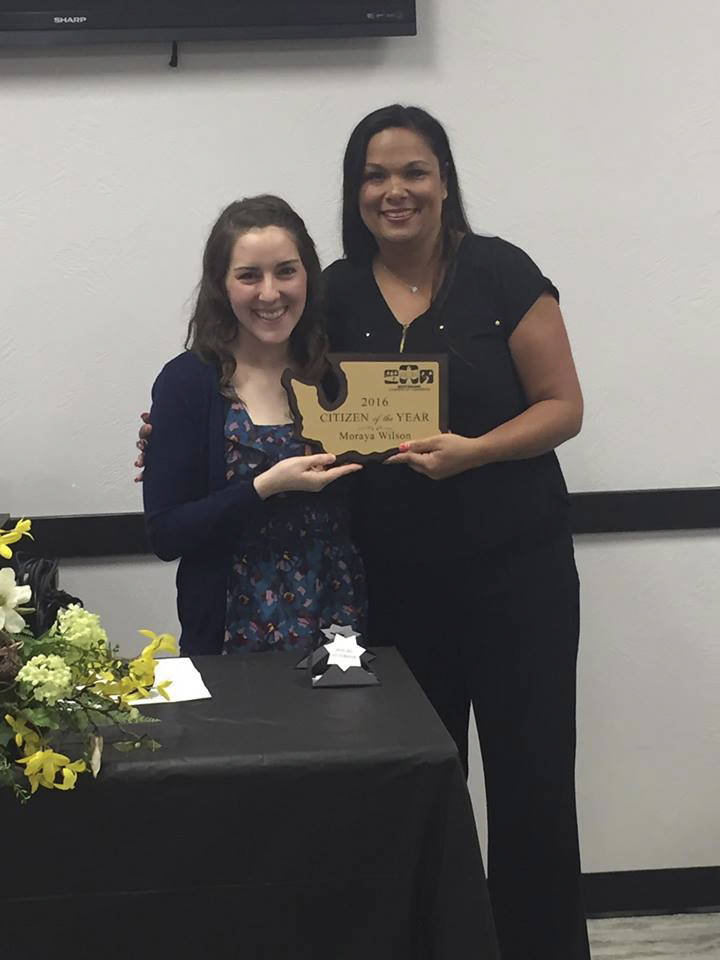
(187, 684)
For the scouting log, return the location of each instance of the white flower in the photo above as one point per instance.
(10, 597)
(81, 631)
(48, 676)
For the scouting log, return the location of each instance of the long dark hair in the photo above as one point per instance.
(358, 243)
(213, 325)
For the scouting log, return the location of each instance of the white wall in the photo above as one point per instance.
(586, 133)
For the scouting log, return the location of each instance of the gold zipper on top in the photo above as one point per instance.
(402, 339)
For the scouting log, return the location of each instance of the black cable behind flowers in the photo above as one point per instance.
(41, 576)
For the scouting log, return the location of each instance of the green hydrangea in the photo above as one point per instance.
(81, 632)
(48, 677)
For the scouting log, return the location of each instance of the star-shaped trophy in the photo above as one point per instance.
(341, 662)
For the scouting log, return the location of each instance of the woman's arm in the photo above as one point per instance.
(541, 353)
(183, 517)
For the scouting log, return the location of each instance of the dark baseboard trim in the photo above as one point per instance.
(96, 535)
(642, 511)
(624, 511)
(649, 892)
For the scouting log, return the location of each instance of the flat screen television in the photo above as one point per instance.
(49, 22)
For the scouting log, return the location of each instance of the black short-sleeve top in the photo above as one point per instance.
(491, 286)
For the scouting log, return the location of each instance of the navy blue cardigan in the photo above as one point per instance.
(191, 511)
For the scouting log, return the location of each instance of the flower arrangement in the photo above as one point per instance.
(65, 682)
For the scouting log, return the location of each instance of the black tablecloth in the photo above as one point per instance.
(277, 821)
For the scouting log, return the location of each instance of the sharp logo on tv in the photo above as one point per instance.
(63, 20)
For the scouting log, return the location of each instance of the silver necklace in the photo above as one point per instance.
(412, 287)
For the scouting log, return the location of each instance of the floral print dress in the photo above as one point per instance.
(295, 570)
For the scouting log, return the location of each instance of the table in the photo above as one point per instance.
(277, 822)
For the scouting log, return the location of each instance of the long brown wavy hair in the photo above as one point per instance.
(213, 326)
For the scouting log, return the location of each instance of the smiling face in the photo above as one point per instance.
(403, 189)
(266, 285)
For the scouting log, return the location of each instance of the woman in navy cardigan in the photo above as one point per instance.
(266, 557)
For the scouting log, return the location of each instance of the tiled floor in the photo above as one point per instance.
(687, 936)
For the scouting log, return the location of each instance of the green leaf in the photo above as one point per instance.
(32, 646)
(79, 720)
(141, 718)
(124, 746)
(43, 717)
(153, 745)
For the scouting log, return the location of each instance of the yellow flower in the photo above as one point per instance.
(21, 529)
(138, 692)
(43, 766)
(126, 690)
(142, 668)
(24, 736)
(69, 774)
(141, 679)
(109, 687)
(163, 641)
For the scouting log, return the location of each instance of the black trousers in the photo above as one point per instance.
(501, 632)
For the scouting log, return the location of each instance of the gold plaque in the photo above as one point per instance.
(382, 400)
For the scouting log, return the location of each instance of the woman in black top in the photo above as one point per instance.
(465, 536)
(466, 539)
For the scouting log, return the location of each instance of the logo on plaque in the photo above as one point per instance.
(381, 401)
(409, 374)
